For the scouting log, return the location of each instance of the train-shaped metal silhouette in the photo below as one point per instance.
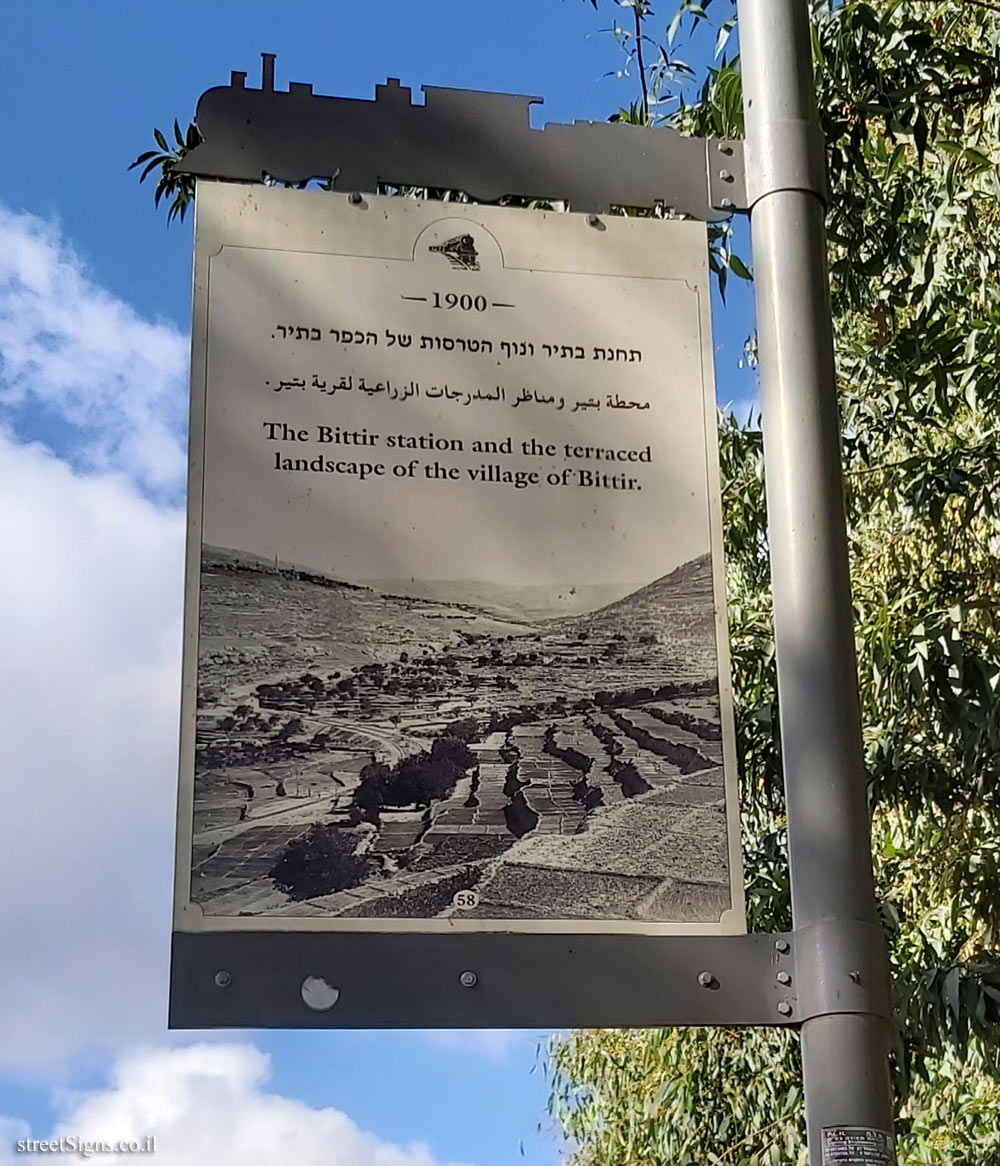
(459, 139)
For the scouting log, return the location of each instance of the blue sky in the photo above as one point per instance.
(94, 309)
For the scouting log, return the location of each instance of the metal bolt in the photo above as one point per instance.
(354, 198)
(706, 979)
(593, 221)
(223, 979)
(723, 148)
(784, 1008)
(781, 945)
(784, 978)
(856, 976)
(726, 202)
(725, 176)
(468, 979)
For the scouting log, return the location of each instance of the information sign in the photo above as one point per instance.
(456, 652)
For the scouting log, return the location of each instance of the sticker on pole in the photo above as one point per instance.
(455, 644)
(857, 1146)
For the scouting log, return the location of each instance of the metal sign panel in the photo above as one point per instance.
(455, 644)
(458, 139)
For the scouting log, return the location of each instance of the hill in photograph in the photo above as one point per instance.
(370, 751)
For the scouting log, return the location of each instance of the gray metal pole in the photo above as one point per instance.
(844, 1053)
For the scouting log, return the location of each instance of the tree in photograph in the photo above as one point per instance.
(372, 788)
(320, 862)
(419, 779)
(466, 729)
(290, 729)
(453, 751)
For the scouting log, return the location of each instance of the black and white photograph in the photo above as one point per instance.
(394, 750)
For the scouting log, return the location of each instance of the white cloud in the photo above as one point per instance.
(91, 595)
(11, 1129)
(78, 357)
(90, 671)
(207, 1103)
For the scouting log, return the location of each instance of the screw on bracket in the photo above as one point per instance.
(468, 979)
(223, 979)
(782, 946)
(725, 176)
(784, 978)
(855, 976)
(784, 1008)
(707, 980)
(354, 198)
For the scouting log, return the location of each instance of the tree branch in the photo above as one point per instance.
(641, 63)
(862, 470)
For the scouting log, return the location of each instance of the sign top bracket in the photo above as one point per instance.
(459, 139)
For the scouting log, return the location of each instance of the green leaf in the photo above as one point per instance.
(725, 31)
(739, 268)
(951, 989)
(150, 168)
(920, 130)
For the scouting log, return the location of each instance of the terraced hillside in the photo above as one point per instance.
(566, 768)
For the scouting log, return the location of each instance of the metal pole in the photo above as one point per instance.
(844, 1053)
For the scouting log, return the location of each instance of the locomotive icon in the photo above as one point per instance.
(460, 252)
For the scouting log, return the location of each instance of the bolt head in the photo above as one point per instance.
(784, 978)
(592, 220)
(355, 198)
(468, 979)
(706, 979)
(784, 1008)
(223, 979)
(781, 945)
(725, 202)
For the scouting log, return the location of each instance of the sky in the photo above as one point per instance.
(94, 336)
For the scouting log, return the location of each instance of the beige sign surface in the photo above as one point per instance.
(455, 646)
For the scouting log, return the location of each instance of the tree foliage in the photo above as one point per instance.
(909, 106)
(321, 861)
(177, 188)
(421, 777)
